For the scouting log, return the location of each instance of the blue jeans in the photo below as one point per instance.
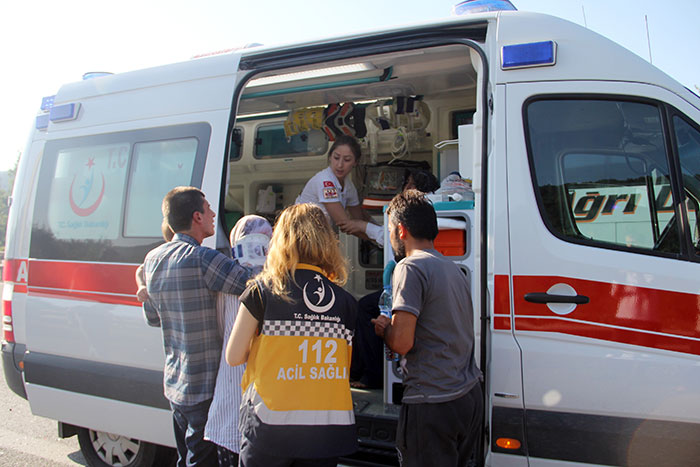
(188, 423)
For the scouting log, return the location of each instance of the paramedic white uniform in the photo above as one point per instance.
(324, 187)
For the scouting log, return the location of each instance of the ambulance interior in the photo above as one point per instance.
(268, 168)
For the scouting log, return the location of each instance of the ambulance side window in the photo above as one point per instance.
(687, 139)
(601, 173)
(271, 141)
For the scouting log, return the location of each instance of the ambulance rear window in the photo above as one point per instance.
(156, 167)
(99, 196)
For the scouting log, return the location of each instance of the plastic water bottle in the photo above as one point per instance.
(385, 310)
(385, 302)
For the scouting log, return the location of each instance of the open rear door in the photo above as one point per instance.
(92, 361)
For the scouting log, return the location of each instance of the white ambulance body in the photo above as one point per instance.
(581, 243)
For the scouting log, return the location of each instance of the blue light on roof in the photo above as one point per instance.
(527, 55)
(479, 6)
(64, 112)
(95, 74)
(42, 122)
(47, 103)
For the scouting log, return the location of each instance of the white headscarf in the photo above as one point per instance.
(250, 238)
(252, 234)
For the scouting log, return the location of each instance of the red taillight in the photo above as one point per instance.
(8, 333)
(14, 276)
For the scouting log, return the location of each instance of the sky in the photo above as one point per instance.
(47, 43)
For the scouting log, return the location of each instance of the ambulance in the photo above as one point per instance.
(582, 242)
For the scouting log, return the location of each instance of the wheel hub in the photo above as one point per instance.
(114, 450)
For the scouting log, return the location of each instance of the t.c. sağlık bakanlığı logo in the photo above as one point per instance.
(320, 293)
(78, 199)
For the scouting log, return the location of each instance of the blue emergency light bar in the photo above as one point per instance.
(47, 103)
(64, 112)
(480, 6)
(95, 74)
(528, 55)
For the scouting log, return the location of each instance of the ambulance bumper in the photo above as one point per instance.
(11, 355)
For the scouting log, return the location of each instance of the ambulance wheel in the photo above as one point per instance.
(102, 449)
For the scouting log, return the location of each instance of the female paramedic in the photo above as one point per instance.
(336, 194)
(294, 328)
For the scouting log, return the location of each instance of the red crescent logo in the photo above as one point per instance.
(84, 212)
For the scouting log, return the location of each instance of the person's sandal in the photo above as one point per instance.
(358, 385)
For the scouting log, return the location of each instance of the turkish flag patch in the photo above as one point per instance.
(328, 184)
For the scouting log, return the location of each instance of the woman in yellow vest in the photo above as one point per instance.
(294, 328)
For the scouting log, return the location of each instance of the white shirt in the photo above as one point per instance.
(324, 187)
(222, 424)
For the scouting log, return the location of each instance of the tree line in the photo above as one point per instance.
(5, 194)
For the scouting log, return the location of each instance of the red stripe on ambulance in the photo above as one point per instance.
(616, 312)
(501, 303)
(605, 333)
(99, 282)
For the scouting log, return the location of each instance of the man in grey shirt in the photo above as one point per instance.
(433, 326)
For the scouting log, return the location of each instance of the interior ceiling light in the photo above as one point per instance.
(259, 115)
(318, 73)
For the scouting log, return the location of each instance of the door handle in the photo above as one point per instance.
(505, 395)
(543, 297)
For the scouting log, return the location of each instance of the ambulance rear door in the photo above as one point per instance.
(115, 145)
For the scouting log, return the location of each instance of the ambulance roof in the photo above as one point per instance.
(581, 54)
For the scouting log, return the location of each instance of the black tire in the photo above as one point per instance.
(165, 457)
(102, 449)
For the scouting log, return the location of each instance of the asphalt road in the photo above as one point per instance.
(28, 440)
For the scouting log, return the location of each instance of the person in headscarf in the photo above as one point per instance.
(249, 243)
